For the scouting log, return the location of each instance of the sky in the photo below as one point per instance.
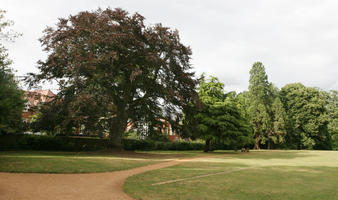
(297, 41)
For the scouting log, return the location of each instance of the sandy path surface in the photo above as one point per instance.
(103, 186)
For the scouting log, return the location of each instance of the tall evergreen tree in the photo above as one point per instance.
(265, 111)
(260, 101)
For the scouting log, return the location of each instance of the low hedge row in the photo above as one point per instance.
(133, 144)
(51, 143)
(63, 143)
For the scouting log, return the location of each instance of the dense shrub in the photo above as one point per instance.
(158, 137)
(55, 143)
(132, 144)
(63, 143)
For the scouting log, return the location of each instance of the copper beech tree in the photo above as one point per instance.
(112, 69)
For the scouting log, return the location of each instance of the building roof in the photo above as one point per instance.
(38, 96)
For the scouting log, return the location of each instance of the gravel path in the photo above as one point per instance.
(93, 186)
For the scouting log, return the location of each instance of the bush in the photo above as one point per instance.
(158, 137)
(133, 144)
(51, 143)
(63, 143)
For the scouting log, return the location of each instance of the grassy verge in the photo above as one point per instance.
(256, 175)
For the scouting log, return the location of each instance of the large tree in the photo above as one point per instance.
(219, 118)
(265, 111)
(11, 98)
(307, 116)
(123, 68)
(260, 100)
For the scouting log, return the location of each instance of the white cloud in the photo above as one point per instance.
(297, 41)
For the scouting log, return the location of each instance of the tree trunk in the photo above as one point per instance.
(257, 143)
(117, 129)
(115, 140)
(299, 146)
(207, 145)
(269, 143)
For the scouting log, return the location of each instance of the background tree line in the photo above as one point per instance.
(295, 116)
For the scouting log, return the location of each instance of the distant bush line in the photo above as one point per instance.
(64, 143)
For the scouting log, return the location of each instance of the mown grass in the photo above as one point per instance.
(256, 175)
(70, 162)
(84, 162)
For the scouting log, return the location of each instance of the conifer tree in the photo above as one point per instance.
(260, 99)
(219, 118)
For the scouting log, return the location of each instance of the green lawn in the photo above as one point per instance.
(70, 162)
(276, 175)
(84, 162)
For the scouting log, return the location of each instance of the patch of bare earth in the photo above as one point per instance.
(108, 185)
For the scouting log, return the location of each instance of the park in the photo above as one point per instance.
(149, 175)
(116, 106)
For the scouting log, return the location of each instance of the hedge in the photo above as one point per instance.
(51, 143)
(64, 143)
(133, 144)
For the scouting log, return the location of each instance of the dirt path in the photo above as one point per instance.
(108, 185)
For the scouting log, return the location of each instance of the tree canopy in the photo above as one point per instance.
(111, 68)
(219, 118)
(332, 111)
(307, 117)
(113, 71)
(265, 110)
(11, 98)
(259, 102)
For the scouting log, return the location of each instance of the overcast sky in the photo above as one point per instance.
(297, 41)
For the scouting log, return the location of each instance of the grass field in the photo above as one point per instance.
(70, 162)
(276, 175)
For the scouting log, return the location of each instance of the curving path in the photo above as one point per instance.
(105, 186)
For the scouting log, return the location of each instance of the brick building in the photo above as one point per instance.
(34, 100)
